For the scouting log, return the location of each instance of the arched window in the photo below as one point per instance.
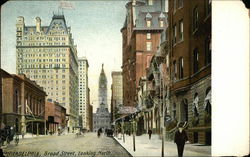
(196, 105)
(208, 57)
(195, 18)
(181, 66)
(208, 102)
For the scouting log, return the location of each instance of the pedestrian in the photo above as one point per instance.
(1, 153)
(180, 138)
(149, 133)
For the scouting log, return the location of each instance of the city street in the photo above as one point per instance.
(66, 146)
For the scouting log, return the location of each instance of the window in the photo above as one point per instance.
(181, 30)
(207, 51)
(208, 6)
(181, 65)
(195, 18)
(174, 6)
(150, 2)
(161, 23)
(149, 46)
(181, 3)
(195, 60)
(174, 111)
(196, 105)
(148, 23)
(174, 33)
(148, 35)
(175, 70)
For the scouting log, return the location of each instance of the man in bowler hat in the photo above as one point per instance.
(180, 138)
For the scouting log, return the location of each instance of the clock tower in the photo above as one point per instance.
(103, 88)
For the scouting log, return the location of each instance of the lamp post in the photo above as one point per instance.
(123, 131)
(133, 124)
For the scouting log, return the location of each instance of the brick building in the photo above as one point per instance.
(141, 33)
(189, 55)
(23, 103)
(55, 115)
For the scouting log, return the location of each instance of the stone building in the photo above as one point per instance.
(83, 92)
(48, 55)
(116, 97)
(55, 116)
(23, 104)
(145, 20)
(189, 55)
(101, 119)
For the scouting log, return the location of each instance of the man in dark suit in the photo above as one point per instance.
(180, 138)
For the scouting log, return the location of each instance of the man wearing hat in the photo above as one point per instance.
(180, 138)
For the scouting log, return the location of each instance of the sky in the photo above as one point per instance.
(95, 26)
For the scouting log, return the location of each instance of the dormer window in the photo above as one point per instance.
(148, 20)
(161, 23)
(148, 23)
(161, 19)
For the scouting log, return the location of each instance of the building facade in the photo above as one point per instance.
(83, 92)
(116, 97)
(23, 104)
(145, 20)
(101, 119)
(48, 55)
(189, 55)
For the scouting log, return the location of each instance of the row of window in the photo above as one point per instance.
(180, 32)
(196, 60)
(43, 66)
(43, 71)
(44, 38)
(61, 50)
(149, 23)
(43, 60)
(40, 44)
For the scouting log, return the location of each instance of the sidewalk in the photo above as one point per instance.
(146, 147)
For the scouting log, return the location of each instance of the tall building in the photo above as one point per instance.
(117, 97)
(101, 119)
(48, 55)
(83, 91)
(145, 20)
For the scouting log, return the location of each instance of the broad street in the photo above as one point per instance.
(88, 145)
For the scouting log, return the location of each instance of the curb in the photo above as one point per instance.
(122, 146)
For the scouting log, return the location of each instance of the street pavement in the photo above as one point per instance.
(88, 145)
(152, 148)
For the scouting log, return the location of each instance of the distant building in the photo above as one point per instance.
(83, 92)
(55, 116)
(90, 118)
(101, 119)
(117, 95)
(23, 104)
(48, 55)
